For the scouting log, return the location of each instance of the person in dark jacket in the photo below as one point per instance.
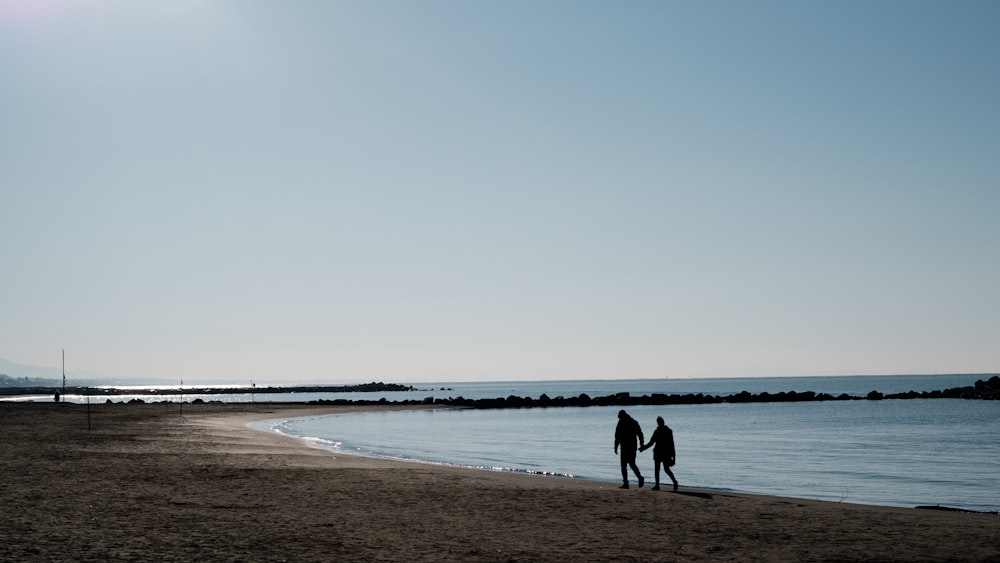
(626, 432)
(663, 452)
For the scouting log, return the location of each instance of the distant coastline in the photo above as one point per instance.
(99, 391)
(984, 389)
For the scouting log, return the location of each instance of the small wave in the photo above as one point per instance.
(322, 443)
(283, 427)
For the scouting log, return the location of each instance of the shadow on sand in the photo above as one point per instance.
(705, 496)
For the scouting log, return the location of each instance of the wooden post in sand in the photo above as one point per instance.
(87, 391)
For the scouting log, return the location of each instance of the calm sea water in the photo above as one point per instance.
(894, 452)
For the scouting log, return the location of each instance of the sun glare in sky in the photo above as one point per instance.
(21, 11)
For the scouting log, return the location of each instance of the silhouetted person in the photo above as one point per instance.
(626, 433)
(663, 452)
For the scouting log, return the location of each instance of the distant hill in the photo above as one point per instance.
(10, 381)
(20, 375)
(21, 372)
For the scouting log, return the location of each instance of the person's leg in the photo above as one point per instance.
(671, 474)
(635, 469)
(624, 461)
(656, 466)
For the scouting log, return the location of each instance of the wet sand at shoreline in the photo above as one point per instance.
(180, 483)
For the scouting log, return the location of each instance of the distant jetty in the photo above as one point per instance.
(982, 390)
(988, 390)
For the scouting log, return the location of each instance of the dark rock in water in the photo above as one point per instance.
(982, 390)
(989, 389)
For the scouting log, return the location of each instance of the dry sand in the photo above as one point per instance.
(156, 482)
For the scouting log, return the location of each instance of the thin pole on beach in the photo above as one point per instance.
(182, 398)
(64, 375)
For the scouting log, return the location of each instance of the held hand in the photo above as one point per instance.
(616, 449)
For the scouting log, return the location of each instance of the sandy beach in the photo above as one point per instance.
(166, 482)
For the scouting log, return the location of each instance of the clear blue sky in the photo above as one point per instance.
(453, 190)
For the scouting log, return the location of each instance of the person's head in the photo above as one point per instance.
(659, 421)
(622, 414)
